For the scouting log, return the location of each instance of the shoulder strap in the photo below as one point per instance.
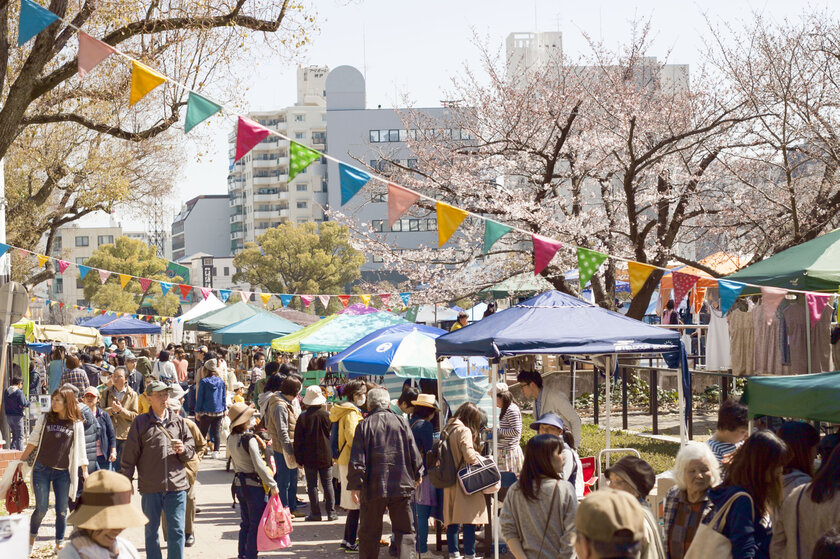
(798, 543)
(548, 518)
(719, 520)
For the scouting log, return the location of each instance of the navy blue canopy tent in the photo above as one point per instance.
(126, 325)
(97, 320)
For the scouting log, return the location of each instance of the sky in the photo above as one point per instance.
(414, 49)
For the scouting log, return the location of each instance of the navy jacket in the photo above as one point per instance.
(189, 401)
(211, 395)
(749, 537)
(107, 438)
(14, 401)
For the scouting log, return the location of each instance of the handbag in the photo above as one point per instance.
(475, 478)
(269, 530)
(709, 541)
(17, 497)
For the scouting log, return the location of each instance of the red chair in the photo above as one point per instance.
(589, 478)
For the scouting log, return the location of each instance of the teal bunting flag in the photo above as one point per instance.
(224, 294)
(83, 271)
(729, 291)
(493, 231)
(199, 109)
(285, 300)
(406, 297)
(33, 19)
(4, 248)
(352, 181)
(165, 287)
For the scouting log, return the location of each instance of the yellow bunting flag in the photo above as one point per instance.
(638, 275)
(124, 279)
(265, 297)
(143, 80)
(365, 299)
(42, 260)
(449, 218)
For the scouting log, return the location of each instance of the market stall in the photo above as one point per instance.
(259, 329)
(335, 333)
(812, 397)
(211, 303)
(225, 316)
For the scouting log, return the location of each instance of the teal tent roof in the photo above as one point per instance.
(812, 397)
(814, 266)
(346, 329)
(259, 329)
(225, 316)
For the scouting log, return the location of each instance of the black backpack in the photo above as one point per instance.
(440, 464)
(336, 452)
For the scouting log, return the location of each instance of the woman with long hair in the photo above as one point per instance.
(459, 509)
(801, 439)
(808, 512)
(58, 442)
(510, 456)
(428, 500)
(753, 481)
(538, 515)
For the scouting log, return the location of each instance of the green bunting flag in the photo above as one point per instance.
(588, 262)
(493, 231)
(199, 109)
(299, 158)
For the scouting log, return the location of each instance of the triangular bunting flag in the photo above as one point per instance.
(185, 290)
(729, 291)
(224, 295)
(406, 297)
(4, 248)
(544, 251)
(145, 283)
(493, 231)
(248, 135)
(365, 299)
(285, 300)
(42, 259)
(104, 275)
(60, 305)
(344, 300)
(124, 279)
(307, 299)
(165, 287)
(770, 299)
(639, 274)
(352, 180)
(205, 292)
(199, 109)
(143, 80)
(265, 297)
(62, 266)
(325, 300)
(33, 19)
(817, 302)
(682, 285)
(299, 158)
(399, 200)
(83, 270)
(449, 218)
(697, 298)
(91, 52)
(245, 295)
(588, 263)
(385, 297)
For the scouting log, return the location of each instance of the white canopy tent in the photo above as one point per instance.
(211, 303)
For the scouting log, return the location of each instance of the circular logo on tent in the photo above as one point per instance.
(382, 348)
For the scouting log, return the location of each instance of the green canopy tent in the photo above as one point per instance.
(259, 329)
(335, 333)
(225, 316)
(291, 343)
(814, 397)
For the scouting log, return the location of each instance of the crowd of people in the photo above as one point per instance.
(116, 416)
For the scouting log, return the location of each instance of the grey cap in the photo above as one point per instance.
(156, 386)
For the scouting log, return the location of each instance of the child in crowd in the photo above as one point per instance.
(732, 429)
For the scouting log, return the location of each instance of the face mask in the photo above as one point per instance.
(360, 400)
(252, 422)
(103, 379)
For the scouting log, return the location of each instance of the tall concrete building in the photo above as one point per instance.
(532, 52)
(261, 195)
(76, 244)
(201, 226)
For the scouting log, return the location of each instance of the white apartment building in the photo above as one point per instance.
(532, 52)
(258, 184)
(76, 244)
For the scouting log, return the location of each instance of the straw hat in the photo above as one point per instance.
(105, 504)
(426, 401)
(240, 413)
(314, 396)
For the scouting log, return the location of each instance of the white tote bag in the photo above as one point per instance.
(709, 542)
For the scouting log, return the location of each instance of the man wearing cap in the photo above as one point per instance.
(549, 394)
(135, 378)
(636, 477)
(121, 403)
(609, 525)
(106, 443)
(463, 317)
(159, 446)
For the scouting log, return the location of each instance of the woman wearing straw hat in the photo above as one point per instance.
(104, 511)
(250, 476)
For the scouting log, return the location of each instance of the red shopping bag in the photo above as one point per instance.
(17, 497)
(275, 526)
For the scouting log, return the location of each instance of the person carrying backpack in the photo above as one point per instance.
(345, 417)
(280, 421)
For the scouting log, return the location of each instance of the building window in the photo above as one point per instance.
(300, 118)
(300, 136)
(58, 285)
(104, 240)
(80, 261)
(374, 136)
(414, 225)
(403, 135)
(323, 118)
(378, 197)
(376, 258)
(82, 241)
(57, 244)
(411, 163)
(215, 272)
(226, 270)
(394, 135)
(431, 224)
(301, 204)
(378, 225)
(397, 226)
(319, 137)
(301, 188)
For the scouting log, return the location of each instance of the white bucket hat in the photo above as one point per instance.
(314, 396)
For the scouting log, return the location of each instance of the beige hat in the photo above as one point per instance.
(237, 385)
(611, 516)
(426, 401)
(105, 504)
(314, 396)
(240, 413)
(210, 365)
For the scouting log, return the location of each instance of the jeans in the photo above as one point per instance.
(211, 429)
(104, 463)
(286, 482)
(174, 506)
(421, 520)
(372, 513)
(312, 476)
(42, 476)
(16, 423)
(469, 538)
(252, 501)
(120, 445)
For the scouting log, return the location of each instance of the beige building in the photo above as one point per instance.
(76, 244)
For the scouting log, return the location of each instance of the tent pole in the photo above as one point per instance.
(680, 390)
(494, 506)
(573, 367)
(441, 410)
(607, 375)
(808, 335)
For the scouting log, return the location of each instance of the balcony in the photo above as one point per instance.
(235, 201)
(265, 181)
(265, 214)
(236, 218)
(237, 235)
(265, 198)
(264, 163)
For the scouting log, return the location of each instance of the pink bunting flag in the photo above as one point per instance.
(205, 292)
(145, 283)
(325, 300)
(544, 251)
(104, 275)
(248, 134)
(399, 200)
(682, 285)
(307, 299)
(817, 302)
(91, 52)
(770, 299)
(246, 296)
(385, 297)
(62, 265)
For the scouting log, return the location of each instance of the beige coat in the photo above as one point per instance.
(122, 419)
(458, 507)
(814, 521)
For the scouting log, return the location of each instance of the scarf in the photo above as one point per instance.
(89, 549)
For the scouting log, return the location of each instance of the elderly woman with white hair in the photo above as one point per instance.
(687, 504)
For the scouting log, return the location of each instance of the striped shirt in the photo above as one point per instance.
(721, 449)
(510, 427)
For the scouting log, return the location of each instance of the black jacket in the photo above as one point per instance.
(312, 438)
(14, 401)
(384, 461)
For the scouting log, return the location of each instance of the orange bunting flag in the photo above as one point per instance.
(449, 218)
(143, 80)
(344, 300)
(365, 299)
(265, 297)
(42, 260)
(697, 298)
(639, 274)
(124, 279)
